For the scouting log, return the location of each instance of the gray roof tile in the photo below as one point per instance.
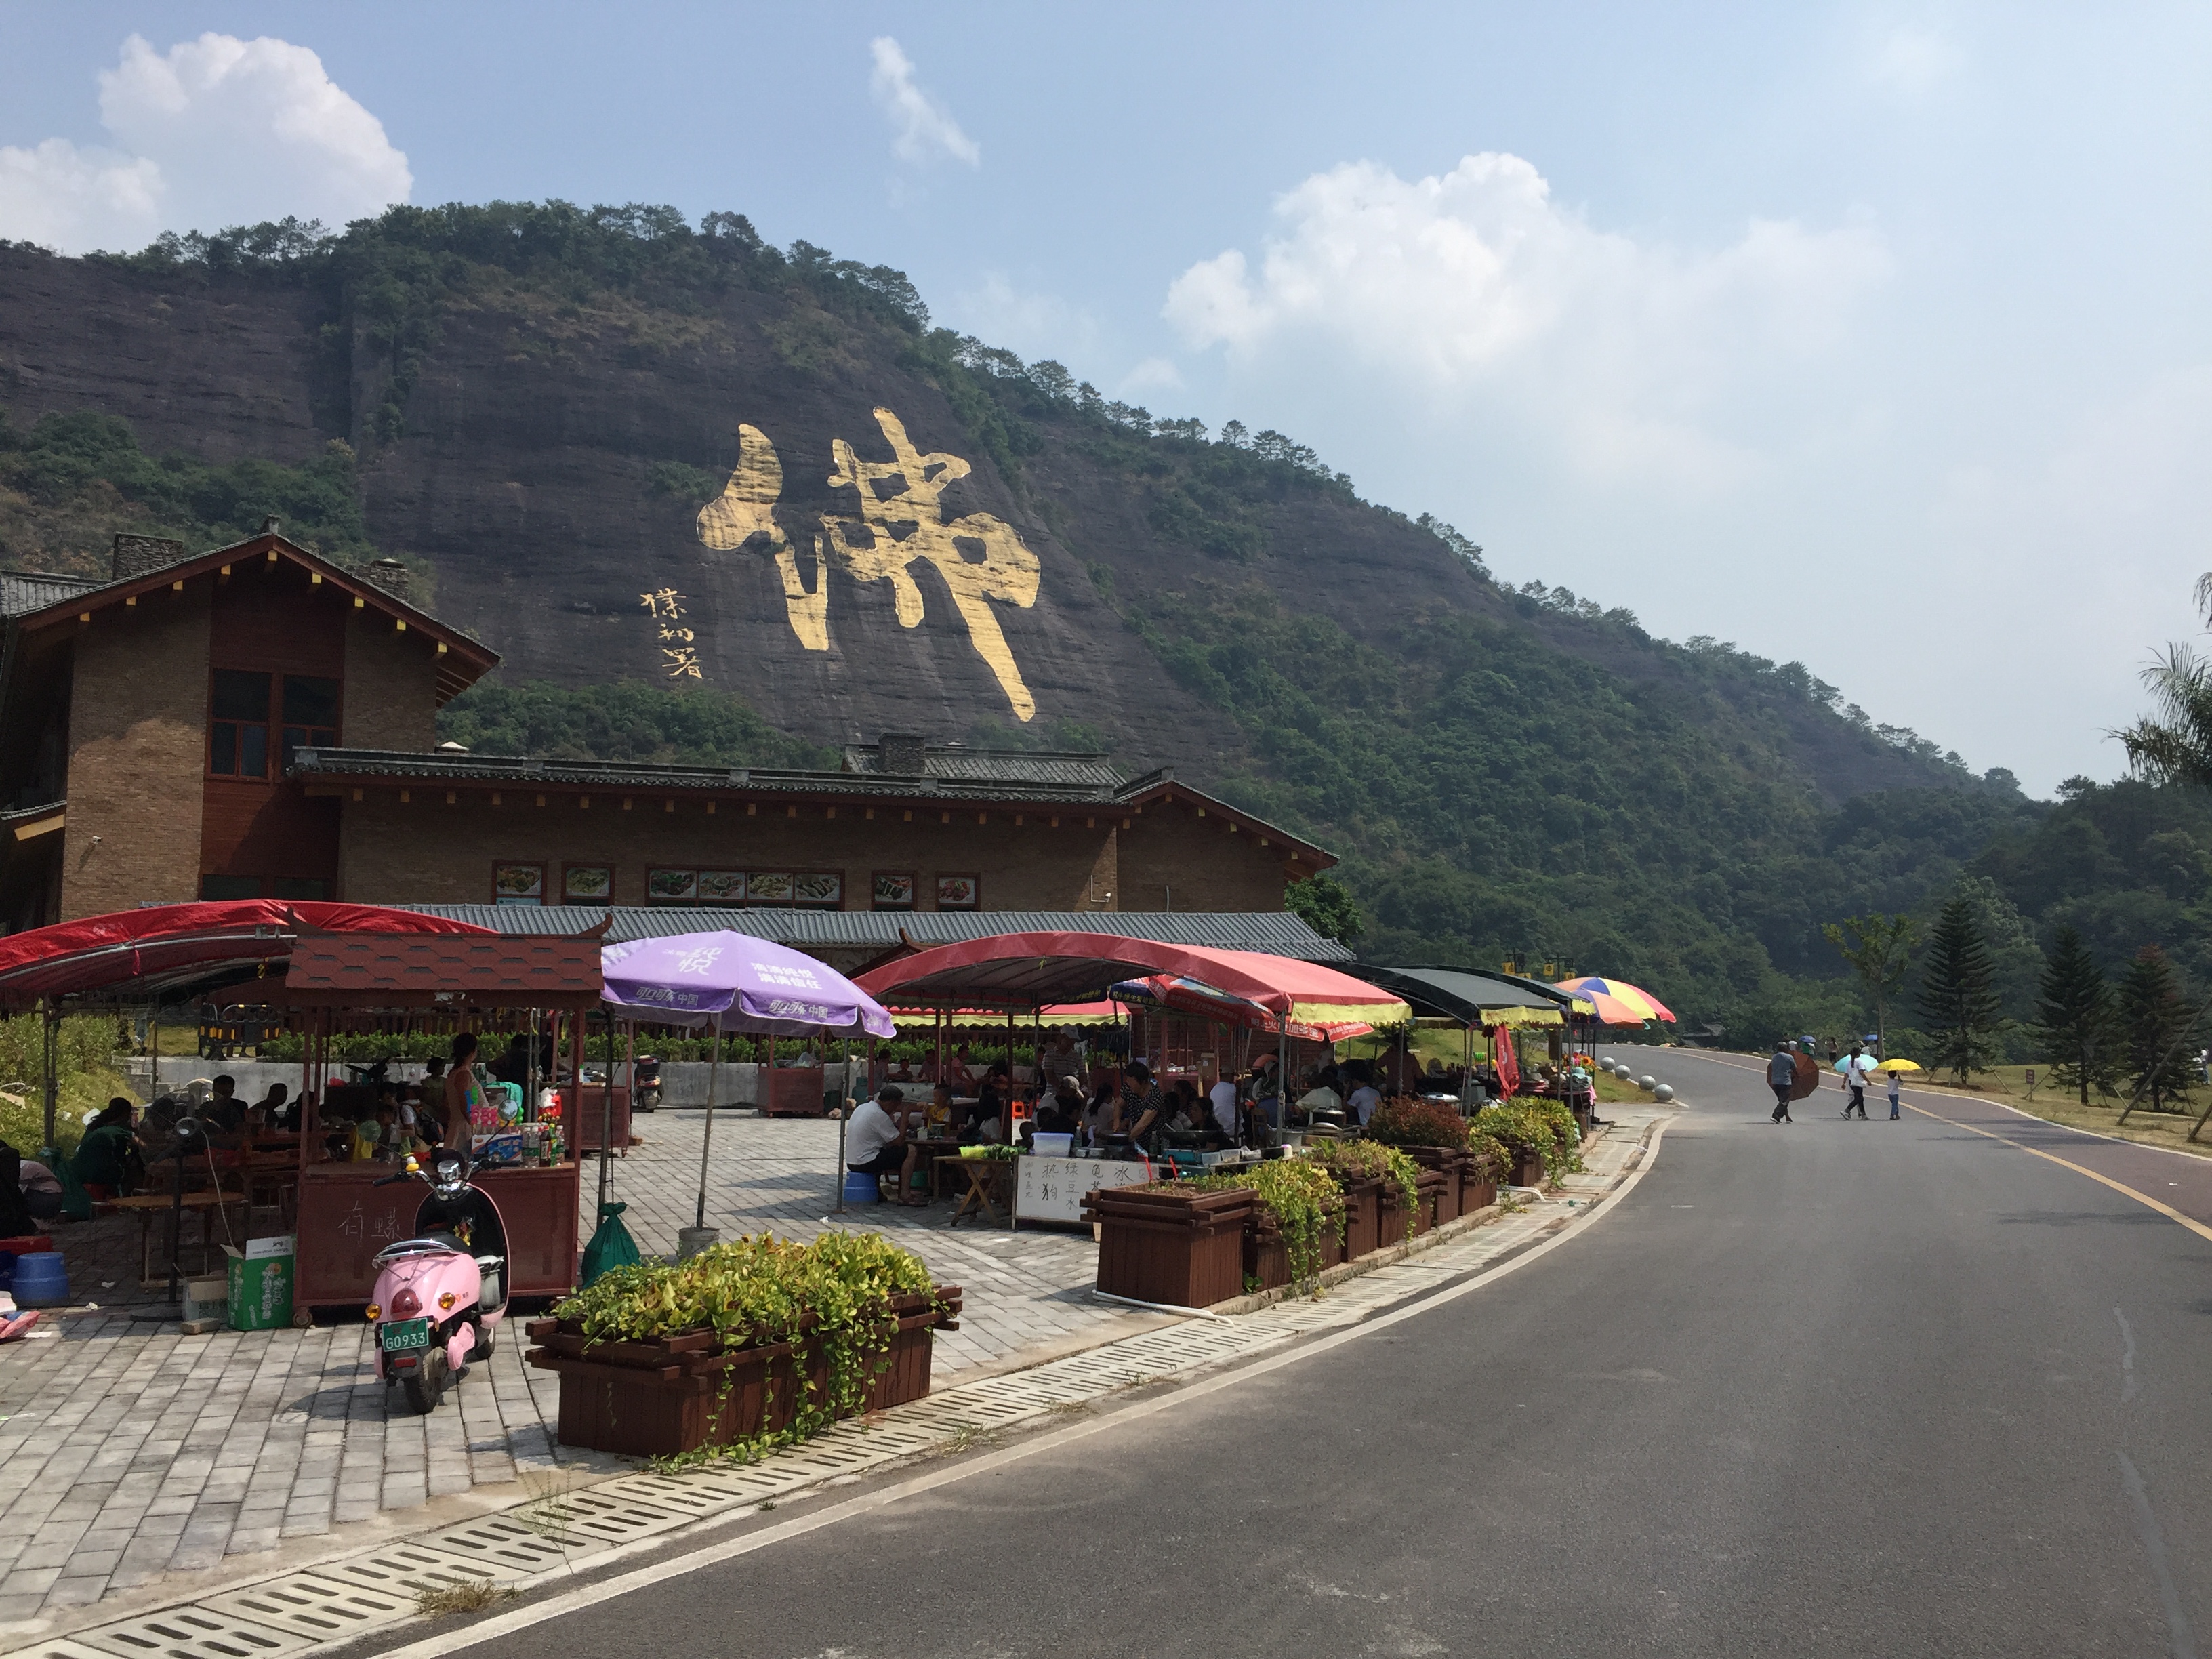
(22, 591)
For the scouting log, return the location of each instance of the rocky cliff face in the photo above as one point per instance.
(864, 561)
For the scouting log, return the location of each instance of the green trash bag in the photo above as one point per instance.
(610, 1247)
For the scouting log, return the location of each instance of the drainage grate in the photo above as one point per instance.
(538, 1545)
(615, 1518)
(409, 1570)
(322, 1608)
(696, 1495)
(193, 1632)
(60, 1647)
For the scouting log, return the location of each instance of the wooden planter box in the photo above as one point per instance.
(1267, 1259)
(1362, 1220)
(1393, 1220)
(1478, 1185)
(1183, 1249)
(1528, 1168)
(1436, 1198)
(675, 1394)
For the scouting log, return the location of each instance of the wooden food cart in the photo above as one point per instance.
(441, 982)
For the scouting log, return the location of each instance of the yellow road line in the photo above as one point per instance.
(2145, 1198)
(2122, 1187)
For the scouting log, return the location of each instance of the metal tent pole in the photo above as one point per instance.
(606, 1112)
(844, 1112)
(51, 1024)
(707, 1140)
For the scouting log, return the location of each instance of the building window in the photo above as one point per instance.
(959, 893)
(518, 884)
(218, 888)
(313, 888)
(311, 714)
(238, 727)
(894, 889)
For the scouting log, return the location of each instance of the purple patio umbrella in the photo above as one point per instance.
(735, 983)
(739, 983)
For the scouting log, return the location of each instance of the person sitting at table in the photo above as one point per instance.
(877, 1144)
(1061, 1112)
(41, 1190)
(222, 1120)
(987, 1117)
(104, 1156)
(264, 1113)
(1365, 1097)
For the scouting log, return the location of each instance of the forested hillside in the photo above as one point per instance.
(531, 403)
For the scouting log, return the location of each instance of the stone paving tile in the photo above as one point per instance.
(128, 1451)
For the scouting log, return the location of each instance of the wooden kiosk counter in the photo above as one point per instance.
(442, 982)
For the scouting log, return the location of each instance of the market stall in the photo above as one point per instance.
(1266, 999)
(446, 984)
(1496, 1004)
(728, 981)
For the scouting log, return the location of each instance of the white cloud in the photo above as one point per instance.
(922, 129)
(217, 131)
(1910, 59)
(1153, 374)
(1639, 359)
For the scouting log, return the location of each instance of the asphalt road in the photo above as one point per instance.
(1827, 1388)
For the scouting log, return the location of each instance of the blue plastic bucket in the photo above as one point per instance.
(860, 1187)
(42, 1280)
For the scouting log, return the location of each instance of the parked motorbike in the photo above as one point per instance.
(440, 1295)
(645, 1084)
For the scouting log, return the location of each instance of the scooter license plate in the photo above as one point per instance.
(399, 1335)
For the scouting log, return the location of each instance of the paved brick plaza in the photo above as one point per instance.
(128, 1451)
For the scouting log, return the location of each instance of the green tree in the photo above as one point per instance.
(2173, 745)
(2075, 1028)
(2157, 1024)
(1880, 951)
(1326, 905)
(1957, 993)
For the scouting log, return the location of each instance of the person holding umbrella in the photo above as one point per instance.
(1854, 1068)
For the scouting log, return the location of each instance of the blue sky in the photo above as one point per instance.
(1869, 336)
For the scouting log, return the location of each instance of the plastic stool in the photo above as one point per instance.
(42, 1280)
(860, 1187)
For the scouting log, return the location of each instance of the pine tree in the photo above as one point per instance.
(2157, 1022)
(2077, 1029)
(1957, 993)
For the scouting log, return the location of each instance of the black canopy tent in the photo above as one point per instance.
(1471, 997)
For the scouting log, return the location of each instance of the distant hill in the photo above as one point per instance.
(626, 449)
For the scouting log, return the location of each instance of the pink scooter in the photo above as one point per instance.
(441, 1294)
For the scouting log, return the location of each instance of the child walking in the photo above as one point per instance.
(1895, 1080)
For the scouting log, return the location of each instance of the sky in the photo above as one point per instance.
(1873, 337)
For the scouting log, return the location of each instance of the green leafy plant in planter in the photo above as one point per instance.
(829, 1298)
(1297, 1195)
(1370, 1160)
(1542, 1127)
(1489, 1148)
(1405, 1121)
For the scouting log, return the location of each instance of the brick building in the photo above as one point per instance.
(259, 722)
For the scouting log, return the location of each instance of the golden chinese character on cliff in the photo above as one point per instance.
(978, 557)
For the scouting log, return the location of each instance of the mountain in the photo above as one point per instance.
(621, 448)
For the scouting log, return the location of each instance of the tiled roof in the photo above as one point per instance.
(22, 591)
(1277, 932)
(449, 767)
(1072, 768)
(367, 969)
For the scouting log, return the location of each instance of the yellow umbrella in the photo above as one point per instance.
(1897, 1066)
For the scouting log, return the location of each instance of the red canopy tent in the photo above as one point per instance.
(1018, 972)
(142, 955)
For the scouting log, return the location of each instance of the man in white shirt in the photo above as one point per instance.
(1365, 1099)
(1857, 1069)
(1222, 1098)
(876, 1141)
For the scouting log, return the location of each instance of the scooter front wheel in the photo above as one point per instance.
(426, 1384)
